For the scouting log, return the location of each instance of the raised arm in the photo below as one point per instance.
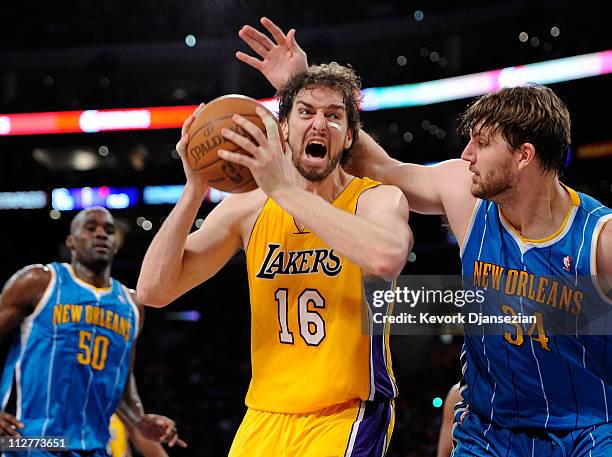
(177, 261)
(424, 186)
(442, 189)
(279, 58)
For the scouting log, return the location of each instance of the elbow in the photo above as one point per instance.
(388, 264)
(150, 297)
(386, 268)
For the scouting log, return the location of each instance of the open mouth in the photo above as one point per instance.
(316, 149)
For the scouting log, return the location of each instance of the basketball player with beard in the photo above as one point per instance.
(316, 240)
(526, 391)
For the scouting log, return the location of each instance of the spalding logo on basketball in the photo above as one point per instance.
(206, 140)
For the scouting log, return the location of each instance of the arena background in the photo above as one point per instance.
(77, 55)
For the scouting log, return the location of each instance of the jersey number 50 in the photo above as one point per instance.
(95, 353)
(312, 325)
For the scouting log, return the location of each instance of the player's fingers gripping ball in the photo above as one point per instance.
(205, 140)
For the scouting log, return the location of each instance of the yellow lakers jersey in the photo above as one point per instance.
(309, 349)
(118, 445)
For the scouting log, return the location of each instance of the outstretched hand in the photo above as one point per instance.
(279, 59)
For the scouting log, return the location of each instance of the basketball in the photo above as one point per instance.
(206, 140)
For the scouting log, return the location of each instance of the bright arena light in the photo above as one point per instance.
(190, 41)
(374, 98)
(5, 125)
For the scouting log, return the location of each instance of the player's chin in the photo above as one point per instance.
(101, 257)
(477, 191)
(314, 174)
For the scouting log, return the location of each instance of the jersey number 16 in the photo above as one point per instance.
(312, 325)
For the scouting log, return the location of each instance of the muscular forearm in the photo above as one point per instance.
(375, 248)
(162, 264)
(422, 185)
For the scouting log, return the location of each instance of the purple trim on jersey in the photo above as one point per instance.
(371, 431)
(382, 378)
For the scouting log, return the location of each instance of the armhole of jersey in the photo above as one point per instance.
(45, 296)
(468, 230)
(134, 306)
(255, 223)
(593, 267)
(374, 186)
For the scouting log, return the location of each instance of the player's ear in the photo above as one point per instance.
(284, 135)
(526, 154)
(348, 139)
(284, 129)
(70, 242)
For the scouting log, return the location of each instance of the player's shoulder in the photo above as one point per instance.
(26, 287)
(32, 277)
(382, 195)
(590, 205)
(384, 190)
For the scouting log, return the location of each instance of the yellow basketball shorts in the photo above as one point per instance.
(354, 429)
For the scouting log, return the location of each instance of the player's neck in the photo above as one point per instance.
(329, 188)
(96, 279)
(537, 207)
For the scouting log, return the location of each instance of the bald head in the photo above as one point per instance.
(81, 216)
